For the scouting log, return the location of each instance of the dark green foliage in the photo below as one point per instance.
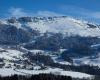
(25, 19)
(46, 42)
(11, 35)
(53, 42)
(65, 57)
(97, 78)
(82, 79)
(69, 42)
(40, 58)
(92, 26)
(12, 20)
(82, 49)
(37, 77)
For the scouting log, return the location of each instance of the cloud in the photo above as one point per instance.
(17, 12)
(68, 10)
(48, 13)
(79, 11)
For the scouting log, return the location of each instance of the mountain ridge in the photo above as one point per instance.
(62, 24)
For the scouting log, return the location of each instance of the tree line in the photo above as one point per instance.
(36, 77)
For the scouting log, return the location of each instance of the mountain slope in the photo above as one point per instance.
(41, 43)
(61, 24)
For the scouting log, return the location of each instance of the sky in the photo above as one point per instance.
(82, 9)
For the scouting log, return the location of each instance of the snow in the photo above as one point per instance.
(87, 60)
(36, 51)
(18, 25)
(62, 50)
(76, 74)
(63, 25)
(64, 62)
(36, 67)
(8, 72)
(60, 24)
(95, 45)
(3, 21)
(56, 71)
(9, 54)
(56, 60)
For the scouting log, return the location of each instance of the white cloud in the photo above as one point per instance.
(17, 12)
(80, 11)
(48, 13)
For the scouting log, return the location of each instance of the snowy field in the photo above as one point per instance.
(56, 71)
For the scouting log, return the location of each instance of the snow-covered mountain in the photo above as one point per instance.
(61, 24)
(43, 43)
